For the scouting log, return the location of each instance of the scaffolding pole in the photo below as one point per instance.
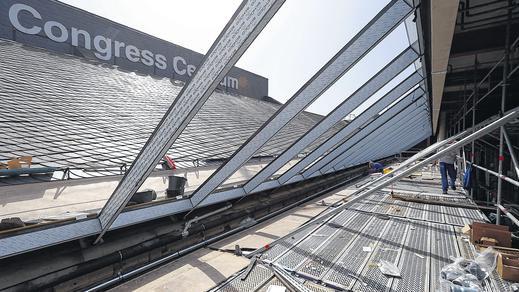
(503, 108)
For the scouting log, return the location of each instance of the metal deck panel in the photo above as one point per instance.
(443, 246)
(296, 255)
(286, 243)
(389, 249)
(435, 214)
(257, 278)
(419, 238)
(345, 269)
(453, 216)
(273, 281)
(414, 262)
(416, 211)
(326, 256)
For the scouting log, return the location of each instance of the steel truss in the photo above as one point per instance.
(400, 115)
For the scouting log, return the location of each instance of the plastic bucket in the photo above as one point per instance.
(176, 186)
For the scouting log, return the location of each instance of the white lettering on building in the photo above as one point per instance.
(105, 48)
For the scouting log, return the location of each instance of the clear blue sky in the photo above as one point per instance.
(298, 41)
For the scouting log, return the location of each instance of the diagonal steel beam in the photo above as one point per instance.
(385, 21)
(387, 148)
(385, 75)
(356, 136)
(398, 121)
(389, 145)
(394, 176)
(349, 129)
(388, 179)
(245, 25)
(407, 122)
(403, 107)
(413, 141)
(370, 155)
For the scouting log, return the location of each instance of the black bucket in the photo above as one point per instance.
(176, 186)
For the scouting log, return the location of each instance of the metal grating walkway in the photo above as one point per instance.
(342, 253)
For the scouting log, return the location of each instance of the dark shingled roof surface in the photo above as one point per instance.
(67, 111)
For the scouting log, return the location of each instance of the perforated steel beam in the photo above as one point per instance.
(408, 125)
(397, 143)
(367, 151)
(246, 23)
(378, 139)
(385, 21)
(352, 139)
(388, 179)
(368, 140)
(370, 146)
(369, 114)
(385, 75)
(391, 147)
(386, 148)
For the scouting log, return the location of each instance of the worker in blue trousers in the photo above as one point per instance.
(447, 169)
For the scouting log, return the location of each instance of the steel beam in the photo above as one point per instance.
(405, 122)
(395, 145)
(385, 21)
(503, 107)
(432, 148)
(349, 130)
(368, 140)
(381, 144)
(245, 25)
(383, 147)
(377, 140)
(500, 177)
(394, 176)
(401, 105)
(400, 63)
(509, 116)
(390, 147)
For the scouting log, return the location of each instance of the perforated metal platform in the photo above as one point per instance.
(342, 253)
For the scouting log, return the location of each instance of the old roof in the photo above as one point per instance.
(65, 111)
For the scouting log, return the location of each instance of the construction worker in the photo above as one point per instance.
(375, 167)
(447, 162)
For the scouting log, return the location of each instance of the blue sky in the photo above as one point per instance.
(298, 41)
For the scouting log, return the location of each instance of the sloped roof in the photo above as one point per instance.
(66, 111)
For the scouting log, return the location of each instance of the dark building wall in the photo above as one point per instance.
(150, 55)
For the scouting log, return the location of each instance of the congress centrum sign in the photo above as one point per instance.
(112, 42)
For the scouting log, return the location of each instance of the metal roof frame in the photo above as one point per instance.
(395, 67)
(185, 107)
(385, 22)
(244, 26)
